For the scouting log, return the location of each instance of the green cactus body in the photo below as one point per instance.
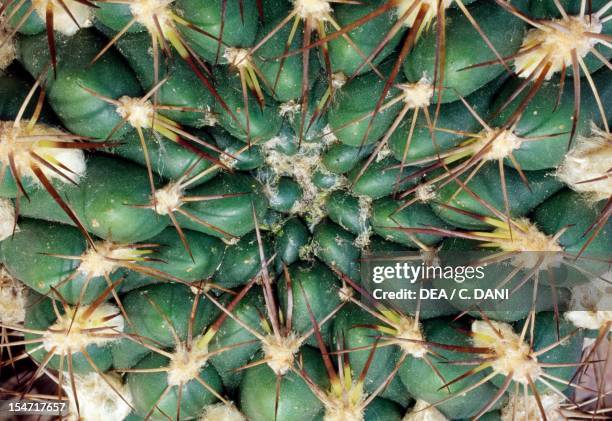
(171, 257)
(317, 285)
(387, 222)
(351, 114)
(295, 401)
(346, 326)
(181, 87)
(230, 360)
(263, 122)
(487, 185)
(232, 215)
(148, 390)
(236, 26)
(168, 160)
(242, 261)
(106, 202)
(423, 383)
(341, 158)
(28, 256)
(336, 247)
(70, 93)
(292, 236)
(465, 47)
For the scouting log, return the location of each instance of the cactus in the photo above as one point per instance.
(195, 195)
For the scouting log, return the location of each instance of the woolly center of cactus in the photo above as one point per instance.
(511, 353)
(98, 397)
(417, 95)
(185, 364)
(222, 412)
(586, 167)
(402, 7)
(554, 43)
(7, 51)
(238, 57)
(7, 218)
(317, 10)
(12, 299)
(410, 337)
(106, 258)
(63, 21)
(137, 112)
(40, 141)
(496, 143)
(82, 326)
(146, 12)
(280, 352)
(168, 199)
(301, 167)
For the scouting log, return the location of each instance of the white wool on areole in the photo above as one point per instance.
(511, 353)
(7, 50)
(186, 364)
(96, 398)
(591, 306)
(423, 411)
(13, 295)
(315, 10)
(280, 352)
(64, 22)
(151, 12)
(222, 412)
(72, 331)
(7, 218)
(138, 113)
(522, 408)
(22, 141)
(586, 167)
(554, 41)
